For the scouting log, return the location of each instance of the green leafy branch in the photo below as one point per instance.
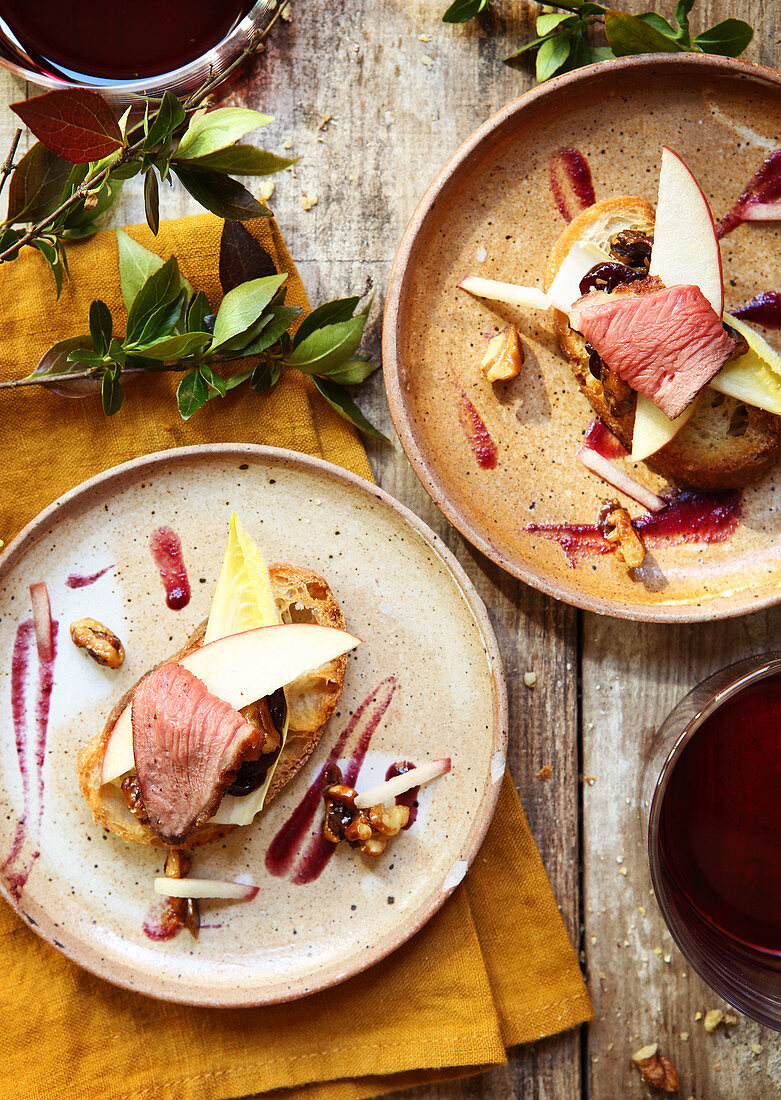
(84, 154)
(170, 327)
(563, 41)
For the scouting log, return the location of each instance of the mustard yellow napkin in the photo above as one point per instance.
(493, 968)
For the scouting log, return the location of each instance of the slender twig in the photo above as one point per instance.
(96, 180)
(8, 167)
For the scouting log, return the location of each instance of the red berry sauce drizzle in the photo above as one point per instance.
(764, 310)
(570, 182)
(79, 580)
(483, 447)
(16, 870)
(410, 797)
(601, 440)
(285, 849)
(689, 516)
(167, 552)
(763, 187)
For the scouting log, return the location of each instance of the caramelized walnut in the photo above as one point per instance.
(617, 529)
(135, 803)
(369, 829)
(655, 1069)
(101, 643)
(503, 357)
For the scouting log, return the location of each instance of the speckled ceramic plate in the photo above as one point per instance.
(491, 212)
(428, 677)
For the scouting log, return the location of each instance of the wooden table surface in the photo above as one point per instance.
(402, 91)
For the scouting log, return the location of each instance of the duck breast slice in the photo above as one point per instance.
(188, 745)
(666, 344)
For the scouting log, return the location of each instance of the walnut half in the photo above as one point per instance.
(503, 356)
(655, 1069)
(101, 643)
(617, 529)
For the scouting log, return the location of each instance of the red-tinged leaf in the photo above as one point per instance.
(241, 257)
(75, 124)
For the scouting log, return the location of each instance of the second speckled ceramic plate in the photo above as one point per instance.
(427, 681)
(491, 212)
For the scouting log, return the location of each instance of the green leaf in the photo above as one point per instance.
(682, 9)
(653, 19)
(51, 252)
(242, 307)
(354, 371)
(601, 53)
(136, 264)
(197, 312)
(339, 399)
(328, 347)
(213, 380)
(219, 193)
(234, 380)
(36, 185)
(525, 48)
(579, 53)
(548, 21)
(170, 114)
(111, 393)
(217, 129)
(243, 160)
(551, 55)
(728, 38)
(151, 200)
(629, 35)
(85, 357)
(265, 376)
(282, 318)
(100, 325)
(329, 313)
(461, 11)
(192, 393)
(171, 349)
(150, 315)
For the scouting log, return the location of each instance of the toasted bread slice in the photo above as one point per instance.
(725, 444)
(303, 597)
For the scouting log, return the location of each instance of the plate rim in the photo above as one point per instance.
(391, 366)
(283, 457)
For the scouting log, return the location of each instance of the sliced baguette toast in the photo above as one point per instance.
(725, 444)
(301, 596)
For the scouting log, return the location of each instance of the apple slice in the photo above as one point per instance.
(387, 792)
(564, 291)
(508, 293)
(42, 620)
(755, 377)
(241, 669)
(653, 429)
(205, 888)
(619, 479)
(685, 250)
(761, 212)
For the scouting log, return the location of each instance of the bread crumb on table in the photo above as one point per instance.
(308, 201)
(545, 772)
(530, 679)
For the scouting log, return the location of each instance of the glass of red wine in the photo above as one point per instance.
(712, 793)
(124, 48)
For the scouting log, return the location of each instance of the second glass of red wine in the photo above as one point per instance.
(126, 48)
(712, 793)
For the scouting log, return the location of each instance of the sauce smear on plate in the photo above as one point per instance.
(166, 549)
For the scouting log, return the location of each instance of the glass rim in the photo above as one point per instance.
(152, 85)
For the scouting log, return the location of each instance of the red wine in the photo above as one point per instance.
(88, 41)
(720, 820)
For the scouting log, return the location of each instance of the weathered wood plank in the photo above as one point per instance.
(633, 674)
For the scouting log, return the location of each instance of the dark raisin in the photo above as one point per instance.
(607, 276)
(595, 363)
(251, 775)
(632, 247)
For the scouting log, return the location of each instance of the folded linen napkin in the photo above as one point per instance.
(494, 967)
